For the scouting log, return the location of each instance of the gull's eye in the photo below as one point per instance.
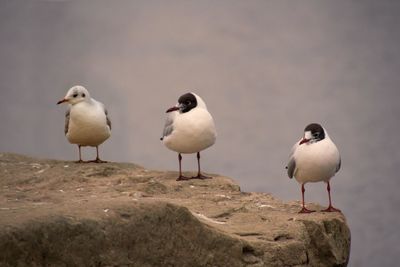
(316, 134)
(83, 95)
(75, 95)
(188, 103)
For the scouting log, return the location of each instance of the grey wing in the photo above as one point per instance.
(339, 164)
(107, 118)
(66, 125)
(106, 112)
(168, 127)
(291, 167)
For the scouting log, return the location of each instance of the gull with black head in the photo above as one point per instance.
(189, 128)
(86, 120)
(315, 158)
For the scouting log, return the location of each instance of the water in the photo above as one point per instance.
(265, 70)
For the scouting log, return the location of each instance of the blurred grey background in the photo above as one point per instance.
(265, 69)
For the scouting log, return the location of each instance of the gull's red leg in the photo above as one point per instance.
(330, 208)
(304, 209)
(181, 177)
(199, 175)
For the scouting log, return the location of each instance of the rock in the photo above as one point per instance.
(58, 213)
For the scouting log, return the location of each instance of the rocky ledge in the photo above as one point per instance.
(60, 213)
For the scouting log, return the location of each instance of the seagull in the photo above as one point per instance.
(86, 120)
(189, 128)
(314, 158)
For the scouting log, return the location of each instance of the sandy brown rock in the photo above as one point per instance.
(59, 213)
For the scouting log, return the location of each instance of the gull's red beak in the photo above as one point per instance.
(62, 101)
(174, 108)
(304, 140)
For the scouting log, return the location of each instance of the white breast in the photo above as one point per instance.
(192, 132)
(316, 161)
(88, 124)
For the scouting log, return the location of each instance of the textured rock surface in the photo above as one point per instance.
(58, 213)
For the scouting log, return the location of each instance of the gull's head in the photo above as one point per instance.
(313, 133)
(75, 95)
(187, 102)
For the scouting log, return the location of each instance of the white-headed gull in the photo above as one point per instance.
(86, 120)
